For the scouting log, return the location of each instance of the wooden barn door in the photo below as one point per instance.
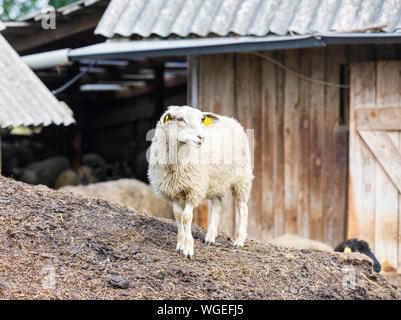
(375, 159)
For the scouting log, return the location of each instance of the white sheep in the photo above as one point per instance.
(293, 241)
(130, 192)
(199, 155)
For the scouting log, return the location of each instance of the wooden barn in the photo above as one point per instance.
(318, 82)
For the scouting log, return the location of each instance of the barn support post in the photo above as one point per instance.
(192, 88)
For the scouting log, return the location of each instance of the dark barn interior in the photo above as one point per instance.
(115, 103)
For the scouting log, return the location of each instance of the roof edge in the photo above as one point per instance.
(159, 48)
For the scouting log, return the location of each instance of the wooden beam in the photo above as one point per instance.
(379, 119)
(362, 165)
(39, 37)
(385, 152)
(388, 83)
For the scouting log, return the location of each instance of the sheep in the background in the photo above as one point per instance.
(98, 165)
(130, 192)
(86, 175)
(70, 177)
(191, 159)
(351, 245)
(296, 242)
(46, 171)
(355, 245)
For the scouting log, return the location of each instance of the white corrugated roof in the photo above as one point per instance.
(202, 18)
(24, 99)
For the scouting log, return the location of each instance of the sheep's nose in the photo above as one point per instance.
(201, 138)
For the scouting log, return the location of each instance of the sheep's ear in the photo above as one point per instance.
(166, 118)
(209, 118)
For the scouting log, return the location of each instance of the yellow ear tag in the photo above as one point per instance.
(165, 118)
(207, 121)
(347, 249)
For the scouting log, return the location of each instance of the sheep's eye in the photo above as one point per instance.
(180, 119)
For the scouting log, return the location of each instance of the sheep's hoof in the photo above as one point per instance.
(186, 254)
(209, 241)
(238, 243)
(180, 246)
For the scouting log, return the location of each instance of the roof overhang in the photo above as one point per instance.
(169, 47)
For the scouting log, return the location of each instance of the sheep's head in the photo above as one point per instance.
(186, 124)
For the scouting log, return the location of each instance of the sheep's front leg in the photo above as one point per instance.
(179, 219)
(213, 221)
(241, 224)
(188, 249)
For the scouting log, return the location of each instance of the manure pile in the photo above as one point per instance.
(56, 245)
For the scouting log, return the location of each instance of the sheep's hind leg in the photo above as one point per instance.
(188, 249)
(241, 224)
(179, 218)
(214, 220)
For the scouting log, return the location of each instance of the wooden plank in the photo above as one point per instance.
(317, 102)
(334, 154)
(399, 218)
(269, 101)
(303, 223)
(242, 107)
(386, 118)
(248, 112)
(386, 153)
(291, 142)
(255, 202)
(201, 213)
(362, 166)
(216, 94)
(227, 108)
(278, 161)
(399, 202)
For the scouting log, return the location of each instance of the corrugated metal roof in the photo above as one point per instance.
(24, 99)
(245, 17)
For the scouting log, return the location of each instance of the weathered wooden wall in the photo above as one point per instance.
(375, 159)
(300, 146)
(301, 138)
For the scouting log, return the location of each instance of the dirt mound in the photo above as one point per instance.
(56, 245)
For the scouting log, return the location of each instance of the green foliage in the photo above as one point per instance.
(60, 3)
(12, 9)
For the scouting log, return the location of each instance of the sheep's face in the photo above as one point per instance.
(188, 125)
